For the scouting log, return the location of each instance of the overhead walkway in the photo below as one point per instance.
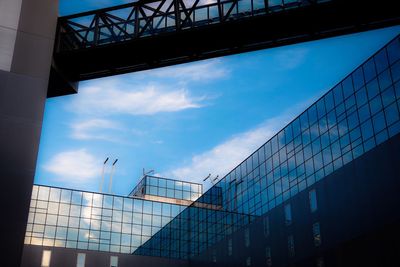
(155, 33)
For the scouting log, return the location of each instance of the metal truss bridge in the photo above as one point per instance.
(155, 33)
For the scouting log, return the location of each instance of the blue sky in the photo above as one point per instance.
(188, 120)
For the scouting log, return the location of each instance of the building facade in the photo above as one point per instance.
(323, 191)
(27, 34)
(357, 116)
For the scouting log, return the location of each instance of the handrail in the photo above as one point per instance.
(142, 20)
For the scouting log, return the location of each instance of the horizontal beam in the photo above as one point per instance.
(295, 25)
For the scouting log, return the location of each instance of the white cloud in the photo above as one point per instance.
(74, 167)
(118, 97)
(205, 71)
(224, 157)
(291, 58)
(95, 129)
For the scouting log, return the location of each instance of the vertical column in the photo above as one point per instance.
(27, 30)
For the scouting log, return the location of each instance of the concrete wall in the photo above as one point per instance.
(27, 30)
(65, 257)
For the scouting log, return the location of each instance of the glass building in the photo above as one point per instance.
(167, 190)
(94, 221)
(358, 114)
(322, 191)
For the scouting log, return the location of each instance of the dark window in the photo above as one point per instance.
(321, 108)
(347, 85)
(307, 152)
(367, 130)
(396, 71)
(316, 146)
(381, 60)
(320, 262)
(248, 261)
(288, 214)
(318, 163)
(388, 96)
(369, 70)
(379, 122)
(372, 89)
(312, 114)
(337, 92)
(247, 237)
(354, 135)
(351, 101)
(393, 50)
(327, 155)
(361, 97)
(358, 78)
(352, 121)
(288, 133)
(313, 200)
(323, 125)
(317, 234)
(364, 113)
(329, 102)
(336, 151)
(268, 150)
(391, 114)
(385, 80)
(306, 137)
(296, 127)
(268, 256)
(266, 226)
(291, 248)
(304, 121)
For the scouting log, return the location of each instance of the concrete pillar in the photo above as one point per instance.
(27, 31)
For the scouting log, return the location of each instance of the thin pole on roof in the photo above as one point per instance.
(111, 176)
(102, 176)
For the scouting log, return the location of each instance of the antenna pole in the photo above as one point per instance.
(102, 176)
(111, 176)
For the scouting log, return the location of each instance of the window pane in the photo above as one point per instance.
(113, 261)
(369, 70)
(291, 246)
(313, 200)
(393, 51)
(80, 261)
(247, 237)
(46, 258)
(317, 234)
(381, 60)
(288, 214)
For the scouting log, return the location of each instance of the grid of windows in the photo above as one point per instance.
(359, 113)
(75, 219)
(163, 187)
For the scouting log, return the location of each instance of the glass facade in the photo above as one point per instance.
(167, 188)
(84, 220)
(359, 113)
